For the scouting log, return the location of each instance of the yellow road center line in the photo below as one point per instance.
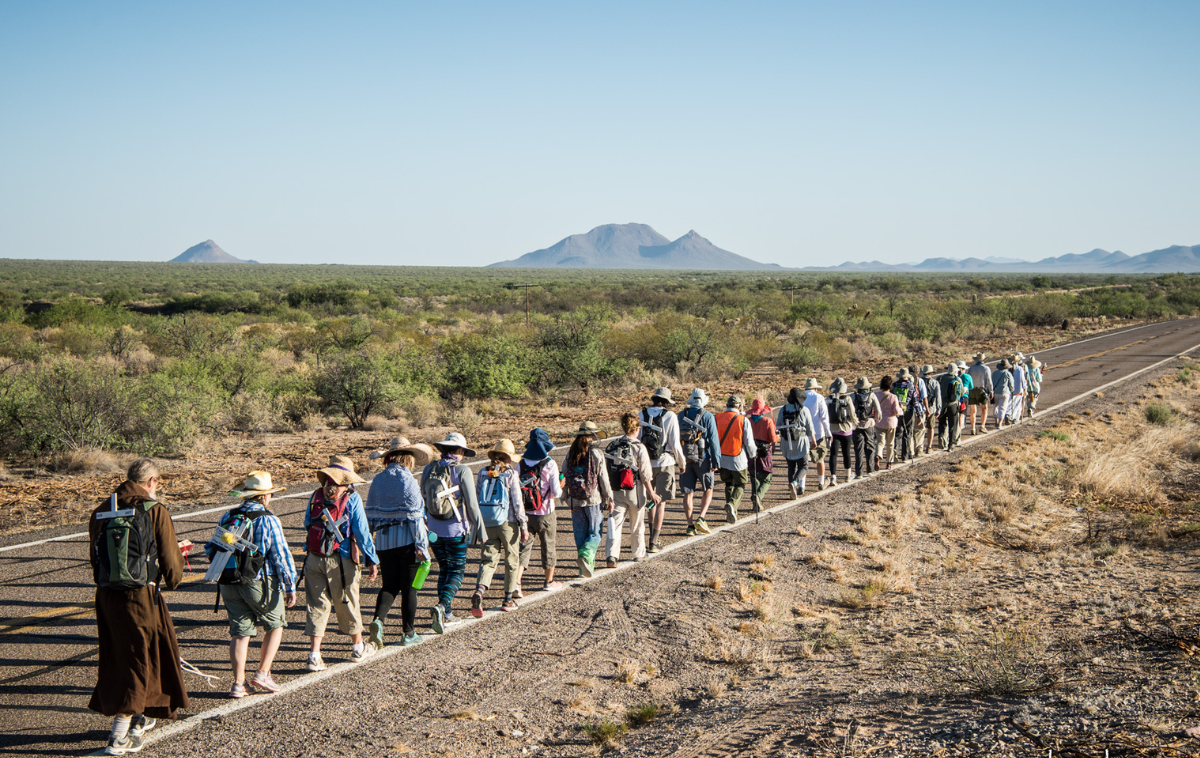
(1097, 355)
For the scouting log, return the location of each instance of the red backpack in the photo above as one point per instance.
(323, 533)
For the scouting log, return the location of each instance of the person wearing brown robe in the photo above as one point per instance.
(139, 675)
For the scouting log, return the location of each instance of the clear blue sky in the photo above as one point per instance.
(465, 133)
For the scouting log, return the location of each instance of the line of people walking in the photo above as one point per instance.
(427, 505)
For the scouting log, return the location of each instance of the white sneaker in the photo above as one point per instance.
(358, 656)
(315, 663)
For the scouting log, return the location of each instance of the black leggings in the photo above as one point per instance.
(838, 441)
(397, 569)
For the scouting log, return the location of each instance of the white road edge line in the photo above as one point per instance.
(191, 722)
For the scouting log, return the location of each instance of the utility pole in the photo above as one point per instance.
(526, 288)
(792, 294)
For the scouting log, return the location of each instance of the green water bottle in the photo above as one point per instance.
(422, 574)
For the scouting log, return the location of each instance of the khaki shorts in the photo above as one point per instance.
(819, 451)
(664, 482)
(253, 605)
(977, 396)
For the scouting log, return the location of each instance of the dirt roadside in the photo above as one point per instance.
(749, 645)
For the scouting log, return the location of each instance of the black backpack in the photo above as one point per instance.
(244, 564)
(791, 420)
(125, 553)
(621, 464)
(861, 404)
(841, 410)
(691, 435)
(653, 436)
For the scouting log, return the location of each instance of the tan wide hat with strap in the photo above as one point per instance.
(339, 471)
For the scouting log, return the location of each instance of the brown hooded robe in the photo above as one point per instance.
(139, 655)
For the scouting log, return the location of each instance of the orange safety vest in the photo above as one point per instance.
(731, 437)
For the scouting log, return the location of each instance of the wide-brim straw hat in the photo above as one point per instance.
(340, 471)
(664, 394)
(421, 452)
(588, 428)
(504, 447)
(981, 357)
(256, 483)
(863, 383)
(811, 384)
(1034, 362)
(453, 441)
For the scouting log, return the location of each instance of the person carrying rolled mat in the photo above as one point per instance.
(505, 525)
(452, 514)
(1002, 385)
(339, 539)
(630, 476)
(588, 491)
(842, 420)
(797, 437)
(660, 435)
(540, 486)
(138, 677)
(980, 395)
(765, 439)
(737, 454)
(868, 412)
(885, 431)
(396, 514)
(258, 585)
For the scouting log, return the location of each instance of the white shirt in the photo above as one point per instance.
(672, 447)
(819, 411)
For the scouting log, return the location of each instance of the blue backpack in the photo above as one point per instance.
(493, 496)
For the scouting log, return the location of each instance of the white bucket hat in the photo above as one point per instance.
(698, 397)
(455, 440)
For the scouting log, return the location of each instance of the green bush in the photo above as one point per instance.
(485, 365)
(796, 358)
(1159, 414)
(356, 385)
(73, 404)
(570, 352)
(1054, 434)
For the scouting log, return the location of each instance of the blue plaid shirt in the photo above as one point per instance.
(267, 533)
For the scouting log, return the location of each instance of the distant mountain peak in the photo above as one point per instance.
(1177, 258)
(634, 246)
(206, 252)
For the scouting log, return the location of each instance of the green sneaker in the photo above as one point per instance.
(375, 635)
(702, 526)
(691, 530)
(655, 548)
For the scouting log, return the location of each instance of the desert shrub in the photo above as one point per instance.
(76, 310)
(569, 351)
(796, 358)
(169, 413)
(255, 412)
(465, 419)
(422, 411)
(1054, 434)
(74, 404)
(489, 364)
(16, 342)
(356, 385)
(1043, 309)
(1007, 661)
(1159, 414)
(192, 334)
(640, 715)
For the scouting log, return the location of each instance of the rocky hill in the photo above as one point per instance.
(1177, 258)
(635, 246)
(206, 252)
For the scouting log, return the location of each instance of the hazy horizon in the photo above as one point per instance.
(789, 133)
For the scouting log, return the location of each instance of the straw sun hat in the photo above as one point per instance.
(339, 471)
(421, 452)
(256, 483)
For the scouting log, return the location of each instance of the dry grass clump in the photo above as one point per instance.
(714, 688)
(868, 596)
(748, 591)
(84, 461)
(627, 671)
(765, 559)
(605, 733)
(714, 581)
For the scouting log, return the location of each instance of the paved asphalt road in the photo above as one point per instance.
(47, 625)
